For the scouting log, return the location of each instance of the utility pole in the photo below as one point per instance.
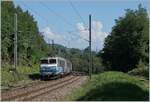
(49, 44)
(68, 52)
(90, 54)
(53, 48)
(15, 41)
(53, 44)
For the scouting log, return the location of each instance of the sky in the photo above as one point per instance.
(66, 21)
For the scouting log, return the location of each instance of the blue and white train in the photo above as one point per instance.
(54, 66)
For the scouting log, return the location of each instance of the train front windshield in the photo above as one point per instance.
(50, 61)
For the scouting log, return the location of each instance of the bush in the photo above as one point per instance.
(24, 74)
(142, 71)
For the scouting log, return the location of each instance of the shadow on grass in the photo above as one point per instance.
(35, 76)
(116, 91)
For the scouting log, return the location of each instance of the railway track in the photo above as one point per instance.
(42, 89)
(51, 89)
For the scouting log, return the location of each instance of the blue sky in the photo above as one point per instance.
(55, 26)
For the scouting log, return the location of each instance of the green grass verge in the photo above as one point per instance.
(25, 75)
(111, 86)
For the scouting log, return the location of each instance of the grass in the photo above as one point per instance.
(111, 86)
(25, 74)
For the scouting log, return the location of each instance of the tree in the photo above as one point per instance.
(31, 45)
(128, 42)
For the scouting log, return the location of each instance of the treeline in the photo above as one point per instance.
(79, 58)
(127, 46)
(31, 45)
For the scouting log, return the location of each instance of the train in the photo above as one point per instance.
(54, 66)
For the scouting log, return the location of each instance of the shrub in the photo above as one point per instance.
(142, 71)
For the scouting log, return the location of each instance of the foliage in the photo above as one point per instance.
(79, 58)
(141, 70)
(9, 78)
(128, 42)
(111, 86)
(31, 45)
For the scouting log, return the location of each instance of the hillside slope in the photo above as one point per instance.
(112, 86)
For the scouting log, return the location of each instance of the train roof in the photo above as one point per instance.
(53, 58)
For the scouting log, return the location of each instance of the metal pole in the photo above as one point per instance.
(53, 48)
(90, 57)
(15, 41)
(49, 43)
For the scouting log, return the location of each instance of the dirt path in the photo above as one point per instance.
(53, 90)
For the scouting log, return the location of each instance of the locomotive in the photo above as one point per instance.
(54, 66)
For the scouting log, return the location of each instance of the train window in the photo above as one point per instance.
(44, 61)
(61, 63)
(52, 61)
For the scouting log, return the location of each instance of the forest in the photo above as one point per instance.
(128, 40)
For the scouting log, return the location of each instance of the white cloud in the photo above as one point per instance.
(97, 37)
(49, 35)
